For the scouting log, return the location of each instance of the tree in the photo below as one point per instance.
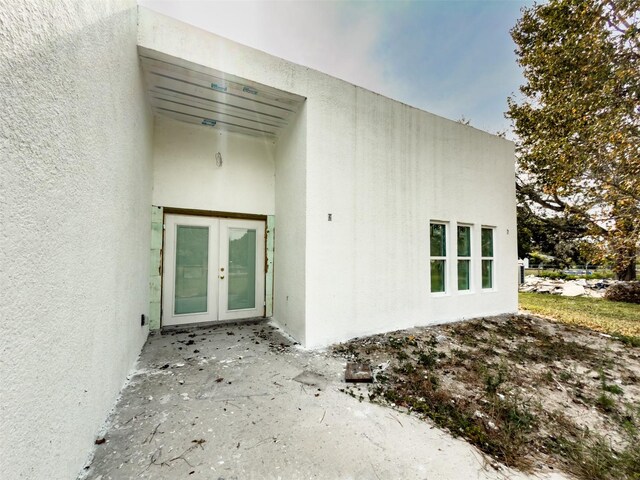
(578, 120)
(554, 237)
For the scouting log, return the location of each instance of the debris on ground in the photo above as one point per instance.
(569, 288)
(628, 292)
(526, 391)
(357, 372)
(258, 422)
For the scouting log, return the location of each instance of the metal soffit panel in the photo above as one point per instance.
(196, 94)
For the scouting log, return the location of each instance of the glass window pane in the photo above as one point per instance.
(242, 269)
(487, 242)
(438, 240)
(437, 276)
(463, 274)
(464, 241)
(487, 273)
(192, 269)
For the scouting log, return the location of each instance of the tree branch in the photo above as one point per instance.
(623, 21)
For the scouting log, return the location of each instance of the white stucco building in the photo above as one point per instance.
(149, 168)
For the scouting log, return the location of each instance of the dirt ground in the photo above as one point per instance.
(243, 401)
(529, 392)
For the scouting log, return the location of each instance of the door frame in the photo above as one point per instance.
(171, 225)
(206, 213)
(224, 227)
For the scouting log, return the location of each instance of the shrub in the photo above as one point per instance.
(601, 274)
(628, 292)
(553, 275)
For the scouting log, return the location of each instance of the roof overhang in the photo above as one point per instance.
(196, 94)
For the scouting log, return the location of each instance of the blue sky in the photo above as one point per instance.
(451, 57)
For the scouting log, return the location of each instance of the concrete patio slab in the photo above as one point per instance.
(242, 402)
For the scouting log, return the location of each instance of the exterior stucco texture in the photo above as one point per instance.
(353, 181)
(75, 196)
(383, 171)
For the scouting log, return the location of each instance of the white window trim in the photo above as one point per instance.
(447, 274)
(470, 290)
(492, 258)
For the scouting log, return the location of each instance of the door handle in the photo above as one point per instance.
(221, 277)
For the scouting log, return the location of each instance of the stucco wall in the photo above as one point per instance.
(383, 170)
(185, 174)
(75, 192)
(289, 293)
(387, 172)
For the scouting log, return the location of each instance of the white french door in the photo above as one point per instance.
(213, 269)
(242, 262)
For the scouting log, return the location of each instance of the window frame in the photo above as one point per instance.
(487, 258)
(467, 258)
(442, 258)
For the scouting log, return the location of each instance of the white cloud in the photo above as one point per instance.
(327, 36)
(428, 54)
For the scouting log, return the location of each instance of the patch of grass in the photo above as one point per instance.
(347, 350)
(495, 382)
(605, 403)
(406, 368)
(599, 275)
(609, 387)
(502, 432)
(615, 389)
(553, 274)
(428, 360)
(615, 318)
(459, 357)
(592, 457)
(547, 377)
(630, 420)
(565, 376)
(589, 455)
(627, 340)
(536, 345)
(401, 355)
(511, 328)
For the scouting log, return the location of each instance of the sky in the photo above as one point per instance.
(454, 58)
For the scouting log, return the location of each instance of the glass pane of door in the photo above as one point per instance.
(192, 269)
(242, 269)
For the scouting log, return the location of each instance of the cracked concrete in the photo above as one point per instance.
(224, 403)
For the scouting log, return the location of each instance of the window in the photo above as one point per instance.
(487, 258)
(464, 257)
(438, 251)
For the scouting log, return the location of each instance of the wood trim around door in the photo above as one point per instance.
(213, 213)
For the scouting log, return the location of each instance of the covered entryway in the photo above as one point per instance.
(214, 269)
(227, 152)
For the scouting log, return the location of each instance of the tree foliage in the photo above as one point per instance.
(578, 121)
(557, 237)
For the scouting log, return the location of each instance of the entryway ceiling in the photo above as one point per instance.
(196, 94)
